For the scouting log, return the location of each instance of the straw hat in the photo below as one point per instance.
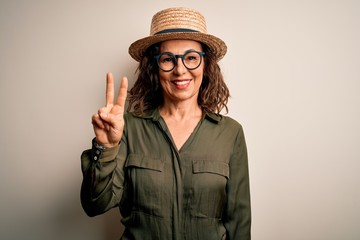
(178, 23)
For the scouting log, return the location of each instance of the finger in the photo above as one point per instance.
(108, 120)
(105, 116)
(109, 89)
(121, 98)
(103, 110)
(97, 122)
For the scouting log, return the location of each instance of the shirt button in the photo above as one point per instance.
(97, 152)
(95, 158)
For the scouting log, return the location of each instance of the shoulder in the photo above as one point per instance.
(227, 120)
(136, 120)
(131, 118)
(224, 125)
(152, 114)
(233, 126)
(224, 121)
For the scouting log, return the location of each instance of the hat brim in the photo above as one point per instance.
(216, 45)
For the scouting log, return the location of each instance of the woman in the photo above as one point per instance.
(175, 167)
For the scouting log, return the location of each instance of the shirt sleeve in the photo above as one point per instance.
(103, 178)
(237, 217)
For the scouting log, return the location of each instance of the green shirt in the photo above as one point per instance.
(198, 192)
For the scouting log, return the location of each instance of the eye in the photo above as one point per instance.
(193, 56)
(166, 58)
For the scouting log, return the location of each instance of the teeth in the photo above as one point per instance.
(181, 83)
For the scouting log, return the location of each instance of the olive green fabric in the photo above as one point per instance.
(198, 192)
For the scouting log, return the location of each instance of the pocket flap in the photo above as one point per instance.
(140, 161)
(202, 166)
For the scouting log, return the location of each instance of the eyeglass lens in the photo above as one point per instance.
(191, 60)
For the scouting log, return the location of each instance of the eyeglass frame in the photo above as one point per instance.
(177, 56)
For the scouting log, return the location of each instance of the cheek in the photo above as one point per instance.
(164, 79)
(198, 75)
(163, 76)
(200, 71)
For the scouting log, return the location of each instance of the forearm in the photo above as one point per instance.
(102, 180)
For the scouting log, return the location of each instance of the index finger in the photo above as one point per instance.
(121, 98)
(109, 89)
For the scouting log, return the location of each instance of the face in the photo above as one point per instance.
(181, 84)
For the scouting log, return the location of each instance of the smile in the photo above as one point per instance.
(181, 83)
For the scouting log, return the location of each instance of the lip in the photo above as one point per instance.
(181, 83)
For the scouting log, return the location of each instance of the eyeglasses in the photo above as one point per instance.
(167, 61)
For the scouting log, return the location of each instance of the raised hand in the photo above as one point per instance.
(108, 123)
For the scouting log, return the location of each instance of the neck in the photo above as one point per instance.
(180, 111)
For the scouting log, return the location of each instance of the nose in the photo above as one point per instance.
(179, 68)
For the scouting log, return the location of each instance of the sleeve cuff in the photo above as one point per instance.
(106, 155)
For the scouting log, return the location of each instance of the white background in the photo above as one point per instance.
(293, 68)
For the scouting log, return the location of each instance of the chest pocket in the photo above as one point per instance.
(209, 188)
(216, 167)
(143, 162)
(145, 183)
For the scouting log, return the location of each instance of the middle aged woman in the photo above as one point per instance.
(175, 166)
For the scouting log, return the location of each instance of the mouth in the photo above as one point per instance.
(181, 82)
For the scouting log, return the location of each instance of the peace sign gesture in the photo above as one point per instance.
(108, 123)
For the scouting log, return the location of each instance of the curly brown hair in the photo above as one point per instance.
(147, 93)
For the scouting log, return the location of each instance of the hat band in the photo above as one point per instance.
(174, 30)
